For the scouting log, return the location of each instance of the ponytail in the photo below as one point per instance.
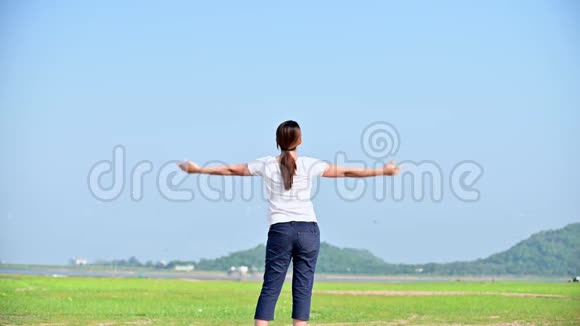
(288, 169)
(288, 136)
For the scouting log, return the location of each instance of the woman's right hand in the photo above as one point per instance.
(189, 167)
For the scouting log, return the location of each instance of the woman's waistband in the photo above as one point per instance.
(296, 223)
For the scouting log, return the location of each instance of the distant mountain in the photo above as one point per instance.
(331, 260)
(554, 252)
(253, 258)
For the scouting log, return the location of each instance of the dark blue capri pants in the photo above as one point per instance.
(299, 242)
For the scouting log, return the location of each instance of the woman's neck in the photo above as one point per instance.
(293, 153)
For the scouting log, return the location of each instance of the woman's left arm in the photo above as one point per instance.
(236, 169)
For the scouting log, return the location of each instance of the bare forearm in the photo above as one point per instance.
(236, 169)
(216, 170)
(362, 172)
(338, 171)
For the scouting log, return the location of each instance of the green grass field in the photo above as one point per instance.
(44, 300)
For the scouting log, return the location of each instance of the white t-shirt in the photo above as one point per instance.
(295, 203)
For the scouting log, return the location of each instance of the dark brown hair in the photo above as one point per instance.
(287, 136)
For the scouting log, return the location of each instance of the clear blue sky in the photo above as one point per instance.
(491, 81)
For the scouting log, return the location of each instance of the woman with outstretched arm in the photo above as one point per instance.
(293, 234)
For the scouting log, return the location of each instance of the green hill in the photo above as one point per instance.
(331, 260)
(253, 257)
(554, 252)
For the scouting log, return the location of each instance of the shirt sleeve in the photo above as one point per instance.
(318, 166)
(257, 166)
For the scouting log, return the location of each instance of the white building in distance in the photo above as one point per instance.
(78, 261)
(184, 268)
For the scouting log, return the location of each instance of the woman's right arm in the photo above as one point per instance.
(337, 171)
